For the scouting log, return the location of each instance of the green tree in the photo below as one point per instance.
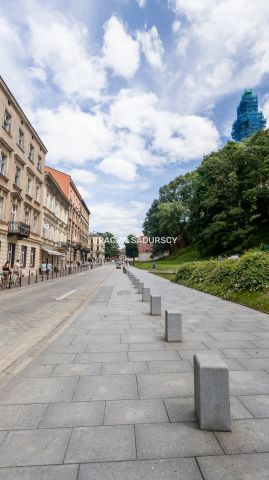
(111, 246)
(131, 247)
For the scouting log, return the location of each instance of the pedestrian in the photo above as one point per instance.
(43, 268)
(49, 268)
(17, 268)
(6, 270)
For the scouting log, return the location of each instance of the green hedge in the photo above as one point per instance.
(248, 274)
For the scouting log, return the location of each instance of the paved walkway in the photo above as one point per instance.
(110, 400)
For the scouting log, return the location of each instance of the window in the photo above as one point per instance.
(31, 153)
(11, 253)
(39, 162)
(35, 223)
(14, 212)
(27, 215)
(37, 193)
(7, 121)
(17, 176)
(23, 256)
(2, 205)
(3, 164)
(32, 257)
(21, 138)
(29, 186)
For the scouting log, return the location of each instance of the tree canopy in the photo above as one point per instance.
(222, 204)
(111, 245)
(131, 246)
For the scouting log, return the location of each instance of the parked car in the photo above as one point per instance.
(118, 265)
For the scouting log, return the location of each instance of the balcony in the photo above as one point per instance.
(22, 230)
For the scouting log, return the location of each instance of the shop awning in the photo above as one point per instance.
(47, 249)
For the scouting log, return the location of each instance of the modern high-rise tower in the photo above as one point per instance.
(249, 119)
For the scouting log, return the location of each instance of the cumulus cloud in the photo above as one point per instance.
(141, 3)
(151, 46)
(119, 167)
(82, 176)
(59, 47)
(121, 51)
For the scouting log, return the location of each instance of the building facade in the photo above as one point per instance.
(249, 118)
(145, 249)
(22, 160)
(97, 248)
(77, 247)
(54, 223)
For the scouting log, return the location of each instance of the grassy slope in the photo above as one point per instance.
(188, 254)
(257, 300)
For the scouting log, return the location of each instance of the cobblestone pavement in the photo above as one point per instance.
(28, 315)
(108, 399)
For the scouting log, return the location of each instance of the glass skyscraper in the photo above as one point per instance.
(249, 119)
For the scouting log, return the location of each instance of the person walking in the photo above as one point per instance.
(43, 268)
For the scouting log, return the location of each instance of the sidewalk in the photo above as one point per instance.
(110, 400)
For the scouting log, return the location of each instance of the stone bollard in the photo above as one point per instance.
(140, 287)
(173, 326)
(136, 283)
(155, 305)
(146, 295)
(211, 393)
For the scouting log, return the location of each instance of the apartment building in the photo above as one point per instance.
(55, 223)
(78, 219)
(22, 160)
(97, 248)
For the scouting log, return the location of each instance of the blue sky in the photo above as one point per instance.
(128, 94)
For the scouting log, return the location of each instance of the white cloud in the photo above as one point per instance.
(121, 51)
(176, 25)
(71, 135)
(226, 47)
(118, 167)
(151, 46)
(141, 3)
(116, 218)
(60, 47)
(83, 176)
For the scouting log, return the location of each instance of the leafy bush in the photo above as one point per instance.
(248, 274)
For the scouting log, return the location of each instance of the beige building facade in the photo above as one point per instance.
(97, 248)
(22, 160)
(54, 224)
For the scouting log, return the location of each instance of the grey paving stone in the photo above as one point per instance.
(101, 444)
(180, 346)
(40, 447)
(223, 336)
(172, 469)
(37, 371)
(96, 339)
(2, 436)
(135, 411)
(54, 359)
(233, 364)
(101, 357)
(63, 340)
(64, 349)
(165, 385)
(174, 440)
(235, 353)
(258, 353)
(249, 383)
(230, 345)
(262, 344)
(235, 467)
(180, 409)
(38, 390)
(188, 354)
(74, 369)
(141, 338)
(121, 368)
(258, 405)
(146, 347)
(238, 411)
(55, 472)
(248, 436)
(152, 355)
(117, 347)
(169, 366)
(255, 363)
(109, 387)
(76, 414)
(18, 417)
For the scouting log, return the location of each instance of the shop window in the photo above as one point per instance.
(23, 256)
(32, 257)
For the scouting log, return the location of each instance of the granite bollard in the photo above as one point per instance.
(146, 294)
(140, 287)
(173, 326)
(212, 393)
(136, 282)
(155, 305)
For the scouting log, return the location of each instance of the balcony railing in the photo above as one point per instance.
(20, 229)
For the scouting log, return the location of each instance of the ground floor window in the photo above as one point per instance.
(11, 253)
(32, 257)
(23, 256)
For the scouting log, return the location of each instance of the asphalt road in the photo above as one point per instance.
(30, 315)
